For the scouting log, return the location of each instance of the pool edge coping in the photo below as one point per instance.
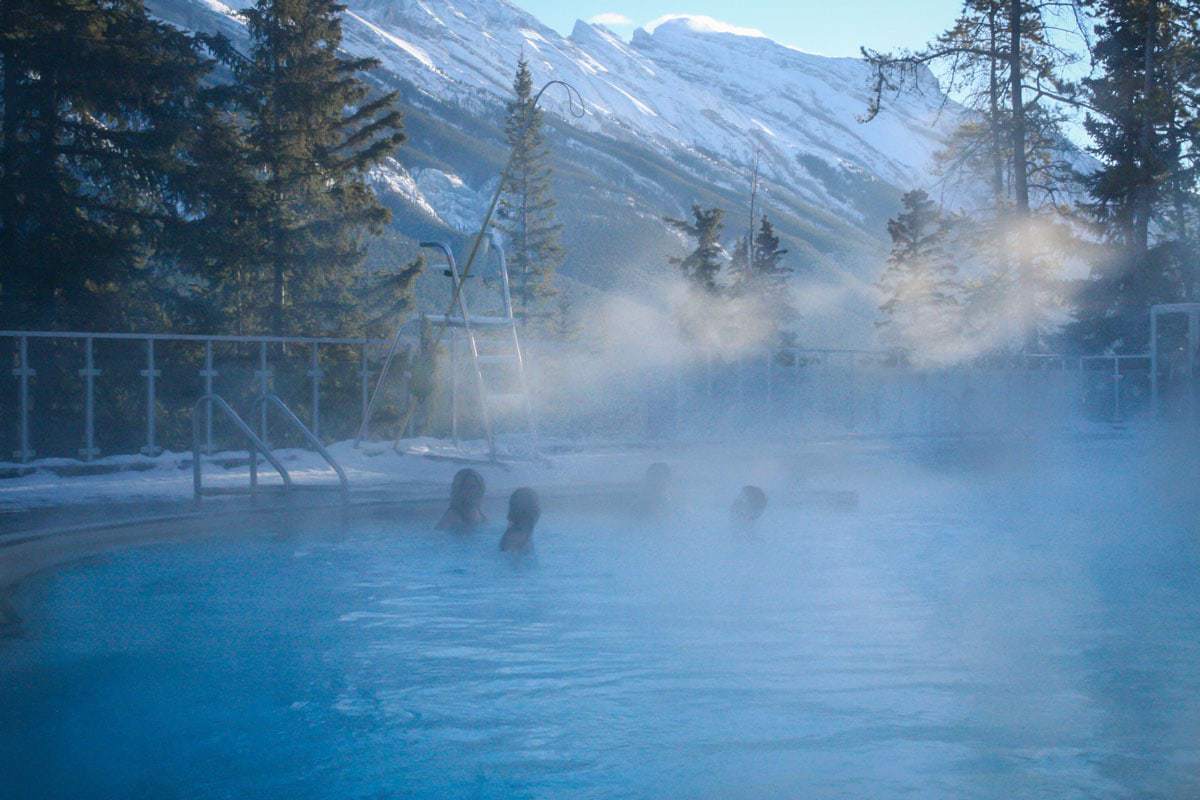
(66, 544)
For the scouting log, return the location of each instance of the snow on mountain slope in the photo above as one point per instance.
(719, 92)
(674, 117)
(688, 84)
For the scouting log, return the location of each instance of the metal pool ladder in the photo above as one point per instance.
(506, 356)
(256, 444)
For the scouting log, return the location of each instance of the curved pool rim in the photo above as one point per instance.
(29, 551)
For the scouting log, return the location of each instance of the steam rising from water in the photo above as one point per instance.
(998, 308)
(675, 325)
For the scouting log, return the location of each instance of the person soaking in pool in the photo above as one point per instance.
(466, 496)
(751, 502)
(524, 508)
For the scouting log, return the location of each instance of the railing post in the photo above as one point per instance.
(89, 373)
(151, 373)
(454, 387)
(263, 373)
(365, 380)
(208, 373)
(1153, 363)
(1116, 381)
(314, 372)
(23, 373)
(253, 468)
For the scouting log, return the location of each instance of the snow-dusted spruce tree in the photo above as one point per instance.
(920, 310)
(703, 265)
(96, 107)
(526, 213)
(314, 134)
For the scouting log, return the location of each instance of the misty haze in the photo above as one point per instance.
(459, 399)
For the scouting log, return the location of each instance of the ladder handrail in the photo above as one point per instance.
(309, 436)
(256, 445)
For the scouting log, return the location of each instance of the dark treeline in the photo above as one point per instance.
(1030, 209)
(152, 179)
(155, 180)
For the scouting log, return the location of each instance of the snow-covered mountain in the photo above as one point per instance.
(692, 83)
(674, 116)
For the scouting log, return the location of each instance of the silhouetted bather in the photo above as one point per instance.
(466, 496)
(748, 507)
(524, 509)
(654, 496)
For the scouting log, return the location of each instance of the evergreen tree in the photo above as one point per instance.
(1141, 114)
(313, 135)
(219, 246)
(703, 265)
(98, 108)
(764, 263)
(920, 306)
(1007, 58)
(759, 274)
(1144, 129)
(527, 205)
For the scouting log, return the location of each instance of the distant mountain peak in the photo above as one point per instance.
(675, 115)
(699, 24)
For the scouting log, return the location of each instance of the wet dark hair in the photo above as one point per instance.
(756, 497)
(750, 504)
(467, 488)
(524, 508)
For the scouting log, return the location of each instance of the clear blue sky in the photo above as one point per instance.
(828, 27)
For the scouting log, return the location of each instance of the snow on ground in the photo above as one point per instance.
(422, 469)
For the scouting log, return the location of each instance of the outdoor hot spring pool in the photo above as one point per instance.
(998, 634)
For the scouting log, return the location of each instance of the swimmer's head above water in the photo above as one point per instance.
(749, 506)
(524, 510)
(466, 498)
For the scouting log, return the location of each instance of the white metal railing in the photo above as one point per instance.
(815, 381)
(790, 370)
(24, 371)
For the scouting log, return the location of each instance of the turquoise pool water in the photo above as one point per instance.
(942, 641)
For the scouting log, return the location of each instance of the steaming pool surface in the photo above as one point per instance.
(940, 641)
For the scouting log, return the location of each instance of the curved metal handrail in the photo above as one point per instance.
(257, 445)
(309, 436)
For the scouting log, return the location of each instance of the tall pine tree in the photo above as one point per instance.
(702, 267)
(759, 274)
(527, 206)
(98, 108)
(313, 135)
(1145, 133)
(919, 312)
(1007, 59)
(219, 245)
